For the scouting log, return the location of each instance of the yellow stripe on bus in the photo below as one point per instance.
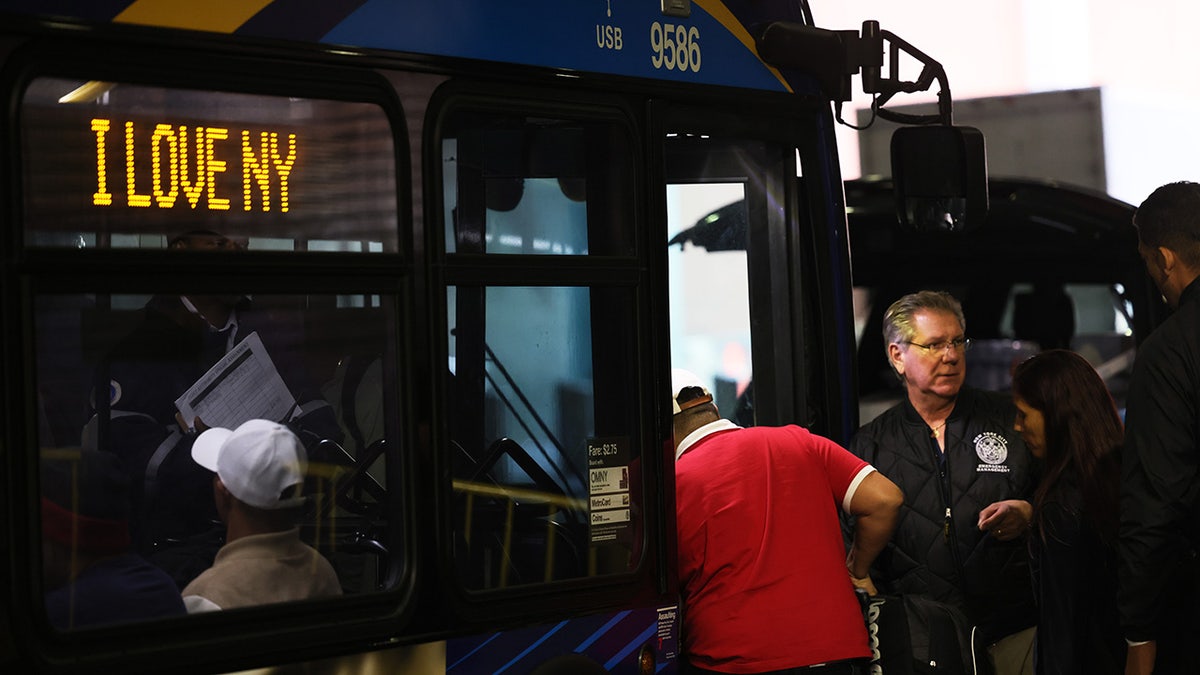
(219, 16)
(718, 11)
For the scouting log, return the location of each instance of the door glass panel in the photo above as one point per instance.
(710, 311)
(727, 235)
(535, 185)
(544, 431)
(547, 475)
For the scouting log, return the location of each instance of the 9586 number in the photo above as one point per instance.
(674, 47)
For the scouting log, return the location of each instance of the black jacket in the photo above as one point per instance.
(1160, 489)
(1075, 580)
(949, 559)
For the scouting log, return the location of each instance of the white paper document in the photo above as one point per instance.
(243, 385)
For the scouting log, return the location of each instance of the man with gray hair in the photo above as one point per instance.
(967, 479)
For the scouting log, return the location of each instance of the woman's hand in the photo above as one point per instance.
(1006, 520)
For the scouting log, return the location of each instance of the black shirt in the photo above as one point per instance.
(1160, 472)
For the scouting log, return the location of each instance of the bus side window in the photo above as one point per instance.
(169, 519)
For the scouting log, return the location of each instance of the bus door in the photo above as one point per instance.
(745, 251)
(539, 275)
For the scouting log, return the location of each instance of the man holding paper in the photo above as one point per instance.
(197, 361)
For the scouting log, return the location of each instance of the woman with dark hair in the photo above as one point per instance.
(1069, 421)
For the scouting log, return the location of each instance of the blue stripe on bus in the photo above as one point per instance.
(531, 647)
(634, 644)
(602, 638)
(603, 629)
(471, 653)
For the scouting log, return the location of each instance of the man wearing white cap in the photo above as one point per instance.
(260, 469)
(767, 583)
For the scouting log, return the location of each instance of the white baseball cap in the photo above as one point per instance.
(257, 462)
(682, 379)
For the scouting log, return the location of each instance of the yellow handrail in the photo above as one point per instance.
(514, 494)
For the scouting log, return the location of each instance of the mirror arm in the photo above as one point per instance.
(833, 56)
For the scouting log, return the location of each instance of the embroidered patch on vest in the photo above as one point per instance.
(992, 449)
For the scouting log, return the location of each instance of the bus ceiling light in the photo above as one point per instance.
(939, 170)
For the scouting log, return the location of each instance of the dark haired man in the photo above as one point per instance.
(1160, 463)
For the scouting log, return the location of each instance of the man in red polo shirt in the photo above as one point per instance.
(768, 585)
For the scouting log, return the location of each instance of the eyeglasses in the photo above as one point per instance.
(957, 344)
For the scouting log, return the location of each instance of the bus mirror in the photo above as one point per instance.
(940, 175)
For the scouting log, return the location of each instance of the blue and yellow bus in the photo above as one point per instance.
(437, 230)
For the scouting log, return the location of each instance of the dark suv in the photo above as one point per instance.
(1051, 266)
